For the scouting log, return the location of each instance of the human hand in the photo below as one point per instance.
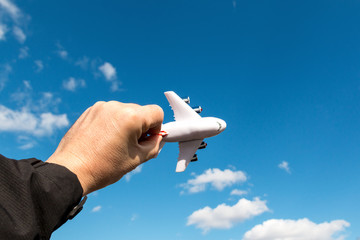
(109, 140)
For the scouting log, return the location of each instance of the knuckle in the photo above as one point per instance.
(130, 113)
(98, 104)
(111, 108)
(156, 110)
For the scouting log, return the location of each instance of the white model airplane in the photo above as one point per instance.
(189, 129)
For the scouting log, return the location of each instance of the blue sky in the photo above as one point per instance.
(284, 75)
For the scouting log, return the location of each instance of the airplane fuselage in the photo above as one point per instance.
(195, 129)
(189, 129)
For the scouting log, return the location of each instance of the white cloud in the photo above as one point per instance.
(26, 142)
(27, 84)
(134, 217)
(10, 8)
(61, 51)
(27, 146)
(109, 73)
(83, 62)
(234, 3)
(39, 65)
(11, 15)
(46, 101)
(63, 54)
(133, 172)
(19, 34)
(49, 122)
(224, 216)
(94, 194)
(33, 101)
(115, 86)
(5, 70)
(3, 31)
(71, 84)
(96, 209)
(23, 95)
(108, 70)
(238, 192)
(285, 165)
(216, 178)
(35, 124)
(24, 52)
(285, 229)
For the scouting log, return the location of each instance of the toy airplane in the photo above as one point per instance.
(189, 129)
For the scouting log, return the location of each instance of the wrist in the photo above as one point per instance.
(78, 171)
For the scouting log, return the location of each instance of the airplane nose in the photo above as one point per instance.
(223, 125)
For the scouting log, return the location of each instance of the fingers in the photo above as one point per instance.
(153, 116)
(141, 124)
(150, 147)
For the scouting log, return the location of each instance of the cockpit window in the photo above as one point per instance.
(219, 126)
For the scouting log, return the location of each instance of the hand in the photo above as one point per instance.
(109, 140)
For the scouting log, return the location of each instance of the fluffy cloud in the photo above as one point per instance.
(133, 172)
(45, 102)
(96, 209)
(109, 73)
(5, 70)
(3, 31)
(39, 65)
(83, 62)
(285, 165)
(19, 34)
(63, 54)
(134, 217)
(33, 101)
(224, 216)
(215, 178)
(10, 8)
(115, 86)
(238, 192)
(23, 52)
(28, 145)
(11, 15)
(61, 51)
(25, 121)
(25, 142)
(72, 84)
(283, 229)
(108, 70)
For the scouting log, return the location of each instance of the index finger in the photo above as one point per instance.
(153, 118)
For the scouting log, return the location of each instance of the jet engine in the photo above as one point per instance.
(203, 145)
(194, 158)
(187, 100)
(198, 109)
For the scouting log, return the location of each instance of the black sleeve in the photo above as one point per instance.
(35, 198)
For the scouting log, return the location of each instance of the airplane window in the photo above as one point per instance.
(219, 126)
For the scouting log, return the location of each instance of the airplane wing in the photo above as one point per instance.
(182, 111)
(187, 151)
